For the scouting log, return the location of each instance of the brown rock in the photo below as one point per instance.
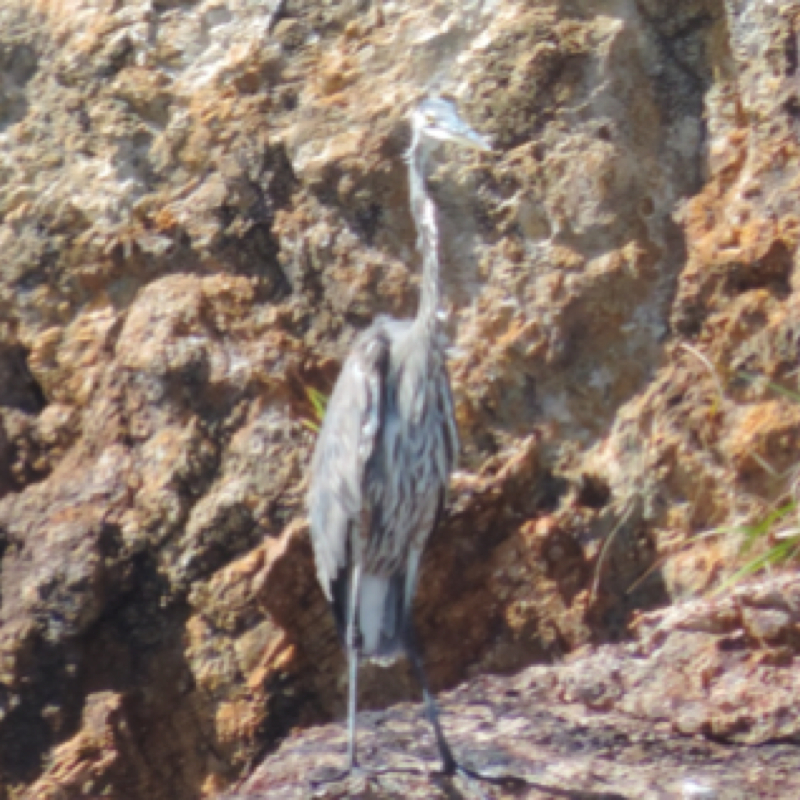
(200, 206)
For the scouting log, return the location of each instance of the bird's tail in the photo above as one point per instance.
(382, 613)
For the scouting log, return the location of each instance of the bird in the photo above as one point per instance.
(386, 447)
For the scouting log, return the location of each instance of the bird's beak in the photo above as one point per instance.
(469, 138)
(460, 133)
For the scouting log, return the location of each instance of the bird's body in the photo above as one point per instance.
(385, 452)
(385, 501)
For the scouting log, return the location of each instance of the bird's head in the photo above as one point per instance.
(437, 119)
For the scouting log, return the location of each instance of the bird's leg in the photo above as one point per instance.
(449, 764)
(353, 654)
(353, 646)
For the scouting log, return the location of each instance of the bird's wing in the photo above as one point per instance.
(353, 421)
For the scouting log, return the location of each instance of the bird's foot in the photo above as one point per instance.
(354, 772)
(453, 769)
(325, 775)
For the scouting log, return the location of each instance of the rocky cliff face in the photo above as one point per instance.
(201, 203)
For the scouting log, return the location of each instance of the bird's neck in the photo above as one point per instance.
(424, 212)
(427, 320)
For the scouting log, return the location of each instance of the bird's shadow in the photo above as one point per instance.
(467, 783)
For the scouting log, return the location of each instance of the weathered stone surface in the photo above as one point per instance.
(200, 205)
(623, 721)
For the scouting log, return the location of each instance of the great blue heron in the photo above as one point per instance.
(385, 452)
